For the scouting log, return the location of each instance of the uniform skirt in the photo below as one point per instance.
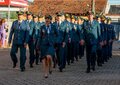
(47, 50)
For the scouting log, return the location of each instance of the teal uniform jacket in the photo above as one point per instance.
(92, 32)
(20, 31)
(110, 38)
(110, 32)
(47, 40)
(32, 30)
(67, 30)
(76, 32)
(103, 31)
(37, 29)
(41, 23)
(80, 27)
(60, 31)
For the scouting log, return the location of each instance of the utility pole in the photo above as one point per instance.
(93, 6)
(9, 11)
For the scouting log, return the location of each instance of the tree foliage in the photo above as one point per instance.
(67, 6)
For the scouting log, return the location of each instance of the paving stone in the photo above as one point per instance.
(108, 74)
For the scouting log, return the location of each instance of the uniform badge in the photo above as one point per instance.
(43, 31)
(67, 30)
(36, 27)
(75, 27)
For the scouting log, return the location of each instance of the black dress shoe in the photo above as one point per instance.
(87, 71)
(72, 61)
(50, 72)
(80, 57)
(54, 66)
(14, 65)
(41, 60)
(22, 69)
(68, 63)
(46, 76)
(93, 68)
(102, 62)
(63, 66)
(31, 66)
(100, 65)
(61, 70)
(106, 60)
(37, 64)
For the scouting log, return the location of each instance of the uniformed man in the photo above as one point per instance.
(31, 38)
(110, 37)
(99, 48)
(58, 38)
(92, 32)
(68, 37)
(104, 36)
(41, 20)
(41, 23)
(65, 38)
(36, 36)
(20, 30)
(81, 46)
(75, 38)
(73, 26)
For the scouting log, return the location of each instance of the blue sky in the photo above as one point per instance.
(114, 2)
(110, 1)
(31, 0)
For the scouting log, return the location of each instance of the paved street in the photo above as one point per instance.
(74, 74)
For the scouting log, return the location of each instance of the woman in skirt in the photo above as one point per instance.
(46, 44)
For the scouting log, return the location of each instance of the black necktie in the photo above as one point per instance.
(58, 24)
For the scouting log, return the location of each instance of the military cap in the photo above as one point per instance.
(109, 19)
(62, 13)
(79, 17)
(20, 12)
(90, 13)
(98, 16)
(106, 18)
(35, 16)
(59, 14)
(48, 17)
(85, 19)
(40, 16)
(72, 17)
(67, 15)
(103, 17)
(28, 13)
(76, 18)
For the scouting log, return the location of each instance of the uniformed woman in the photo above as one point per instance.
(46, 44)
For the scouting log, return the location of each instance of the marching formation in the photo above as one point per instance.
(61, 42)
